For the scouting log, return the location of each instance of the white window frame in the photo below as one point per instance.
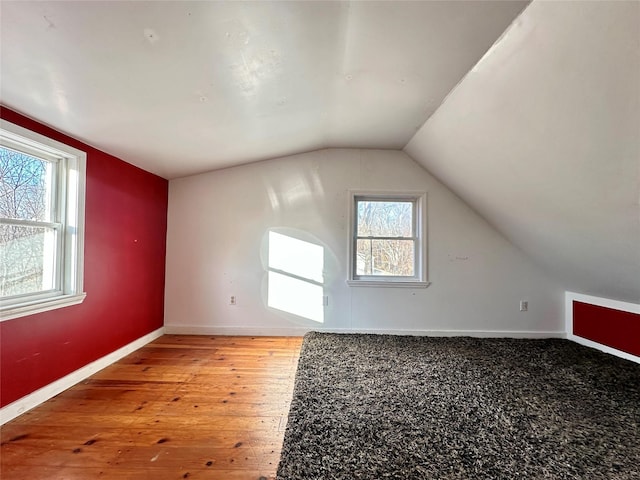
(419, 200)
(69, 184)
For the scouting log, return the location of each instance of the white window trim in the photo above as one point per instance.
(71, 291)
(421, 278)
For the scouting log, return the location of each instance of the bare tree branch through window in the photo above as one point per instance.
(26, 194)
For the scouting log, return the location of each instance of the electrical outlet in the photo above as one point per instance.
(524, 306)
(232, 300)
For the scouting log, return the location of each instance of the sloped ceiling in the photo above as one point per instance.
(542, 138)
(184, 87)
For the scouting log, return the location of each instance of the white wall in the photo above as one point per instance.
(216, 247)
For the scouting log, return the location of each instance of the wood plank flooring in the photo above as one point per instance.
(196, 407)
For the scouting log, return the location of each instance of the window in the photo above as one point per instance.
(388, 240)
(41, 223)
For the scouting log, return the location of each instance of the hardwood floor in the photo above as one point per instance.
(181, 407)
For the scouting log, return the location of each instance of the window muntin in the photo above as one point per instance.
(388, 239)
(41, 223)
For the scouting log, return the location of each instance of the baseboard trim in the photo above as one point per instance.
(26, 403)
(603, 348)
(300, 331)
(235, 331)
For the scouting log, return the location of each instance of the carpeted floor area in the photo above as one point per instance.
(396, 407)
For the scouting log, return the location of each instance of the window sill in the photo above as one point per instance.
(387, 284)
(39, 306)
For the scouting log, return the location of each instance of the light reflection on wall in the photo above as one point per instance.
(291, 189)
(296, 277)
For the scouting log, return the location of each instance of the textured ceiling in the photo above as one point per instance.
(179, 88)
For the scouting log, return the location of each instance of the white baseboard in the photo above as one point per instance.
(300, 331)
(570, 297)
(43, 394)
(604, 348)
(235, 331)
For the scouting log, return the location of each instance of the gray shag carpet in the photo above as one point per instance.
(397, 407)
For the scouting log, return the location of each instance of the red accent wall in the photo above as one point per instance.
(125, 239)
(610, 327)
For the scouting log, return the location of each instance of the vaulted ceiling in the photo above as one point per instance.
(184, 87)
(529, 112)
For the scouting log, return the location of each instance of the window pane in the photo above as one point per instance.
(27, 259)
(385, 257)
(385, 219)
(25, 186)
